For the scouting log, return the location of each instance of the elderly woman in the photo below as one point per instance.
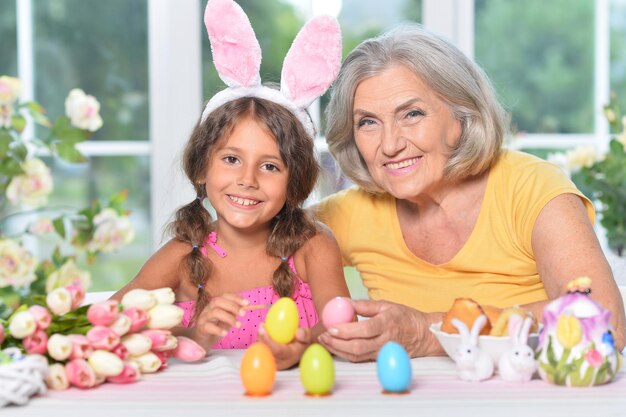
(440, 210)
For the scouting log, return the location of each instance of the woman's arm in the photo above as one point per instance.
(566, 247)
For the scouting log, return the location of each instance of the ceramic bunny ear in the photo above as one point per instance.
(523, 335)
(236, 50)
(462, 328)
(478, 325)
(313, 61)
(515, 322)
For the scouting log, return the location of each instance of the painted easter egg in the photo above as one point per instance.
(282, 320)
(336, 311)
(317, 370)
(258, 370)
(393, 366)
(576, 346)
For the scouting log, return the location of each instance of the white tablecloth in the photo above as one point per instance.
(213, 388)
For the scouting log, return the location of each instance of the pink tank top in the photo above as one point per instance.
(241, 338)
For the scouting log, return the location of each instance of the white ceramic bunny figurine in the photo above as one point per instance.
(518, 364)
(472, 364)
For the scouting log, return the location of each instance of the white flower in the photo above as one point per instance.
(59, 347)
(17, 266)
(164, 316)
(583, 156)
(10, 89)
(106, 363)
(164, 295)
(57, 378)
(83, 110)
(59, 301)
(121, 325)
(32, 187)
(22, 324)
(68, 274)
(112, 231)
(6, 115)
(148, 362)
(559, 159)
(139, 298)
(137, 344)
(610, 115)
(41, 227)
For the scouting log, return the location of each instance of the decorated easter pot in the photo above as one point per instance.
(576, 346)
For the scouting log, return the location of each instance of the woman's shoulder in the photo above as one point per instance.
(519, 167)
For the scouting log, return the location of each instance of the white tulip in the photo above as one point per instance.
(57, 378)
(139, 298)
(164, 295)
(59, 347)
(59, 301)
(164, 316)
(137, 344)
(105, 363)
(148, 362)
(121, 325)
(22, 324)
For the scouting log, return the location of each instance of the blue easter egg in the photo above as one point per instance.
(394, 368)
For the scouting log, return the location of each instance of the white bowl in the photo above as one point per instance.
(495, 346)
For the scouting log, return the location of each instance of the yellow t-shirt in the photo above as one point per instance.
(496, 265)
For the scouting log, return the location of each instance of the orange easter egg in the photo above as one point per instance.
(258, 370)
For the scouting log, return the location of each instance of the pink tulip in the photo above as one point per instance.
(161, 339)
(188, 350)
(81, 347)
(36, 343)
(42, 316)
(129, 374)
(80, 374)
(102, 337)
(77, 292)
(138, 318)
(163, 356)
(121, 351)
(103, 314)
(1, 333)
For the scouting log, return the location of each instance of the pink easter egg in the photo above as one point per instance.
(337, 311)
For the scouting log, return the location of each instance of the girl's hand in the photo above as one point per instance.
(218, 318)
(287, 355)
(361, 341)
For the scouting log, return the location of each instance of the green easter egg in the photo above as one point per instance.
(317, 370)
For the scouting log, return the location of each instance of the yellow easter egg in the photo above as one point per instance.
(258, 370)
(317, 370)
(282, 320)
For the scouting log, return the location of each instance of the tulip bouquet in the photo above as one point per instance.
(26, 183)
(104, 342)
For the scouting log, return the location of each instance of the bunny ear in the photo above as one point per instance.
(313, 61)
(515, 322)
(523, 335)
(462, 328)
(236, 50)
(478, 325)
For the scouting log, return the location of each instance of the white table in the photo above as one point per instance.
(213, 388)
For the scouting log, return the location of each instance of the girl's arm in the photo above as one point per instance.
(319, 263)
(163, 269)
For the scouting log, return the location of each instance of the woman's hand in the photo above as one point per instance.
(217, 318)
(287, 355)
(361, 341)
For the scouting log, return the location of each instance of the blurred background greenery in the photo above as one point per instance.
(539, 54)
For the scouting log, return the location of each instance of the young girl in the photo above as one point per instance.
(251, 156)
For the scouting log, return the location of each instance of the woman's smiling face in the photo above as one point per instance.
(404, 132)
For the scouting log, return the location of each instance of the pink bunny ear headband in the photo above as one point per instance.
(310, 67)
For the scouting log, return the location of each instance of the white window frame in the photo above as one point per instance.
(175, 65)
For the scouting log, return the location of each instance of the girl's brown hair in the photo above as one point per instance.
(289, 229)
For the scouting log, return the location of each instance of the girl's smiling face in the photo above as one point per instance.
(246, 178)
(404, 132)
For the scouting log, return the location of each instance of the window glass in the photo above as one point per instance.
(8, 39)
(100, 47)
(540, 57)
(76, 186)
(618, 49)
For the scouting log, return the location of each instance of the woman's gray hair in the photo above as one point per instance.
(456, 79)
